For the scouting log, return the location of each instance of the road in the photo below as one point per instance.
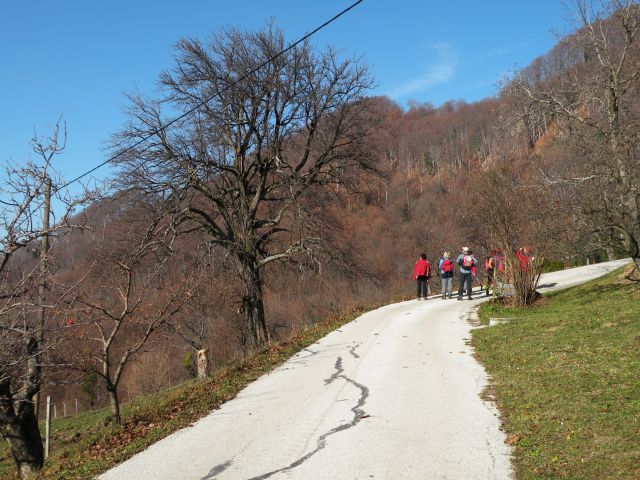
(395, 394)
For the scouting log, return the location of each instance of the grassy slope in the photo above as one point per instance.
(567, 380)
(83, 447)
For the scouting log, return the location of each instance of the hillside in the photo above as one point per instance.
(429, 197)
(222, 239)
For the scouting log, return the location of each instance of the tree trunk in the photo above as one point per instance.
(610, 256)
(202, 363)
(20, 429)
(252, 302)
(632, 247)
(636, 261)
(114, 404)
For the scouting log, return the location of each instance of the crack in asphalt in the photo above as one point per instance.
(352, 350)
(217, 470)
(493, 458)
(358, 414)
(337, 373)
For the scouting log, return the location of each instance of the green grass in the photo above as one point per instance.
(83, 447)
(566, 377)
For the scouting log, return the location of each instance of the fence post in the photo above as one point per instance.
(64, 408)
(47, 427)
(76, 406)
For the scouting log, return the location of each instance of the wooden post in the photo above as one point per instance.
(64, 409)
(47, 435)
(42, 288)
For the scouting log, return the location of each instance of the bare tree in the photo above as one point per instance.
(520, 220)
(196, 324)
(259, 140)
(595, 101)
(127, 295)
(23, 351)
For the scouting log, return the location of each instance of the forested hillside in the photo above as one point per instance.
(311, 200)
(448, 176)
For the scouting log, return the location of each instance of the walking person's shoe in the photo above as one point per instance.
(459, 298)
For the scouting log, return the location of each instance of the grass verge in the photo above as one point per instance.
(83, 447)
(565, 377)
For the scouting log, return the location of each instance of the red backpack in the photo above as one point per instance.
(466, 261)
(447, 266)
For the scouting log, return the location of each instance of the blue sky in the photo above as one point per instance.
(77, 58)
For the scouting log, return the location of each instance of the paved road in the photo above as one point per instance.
(395, 394)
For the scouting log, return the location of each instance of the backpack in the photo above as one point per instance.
(447, 266)
(466, 262)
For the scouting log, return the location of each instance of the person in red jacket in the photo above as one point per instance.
(422, 274)
(523, 255)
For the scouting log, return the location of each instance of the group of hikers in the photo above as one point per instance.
(467, 266)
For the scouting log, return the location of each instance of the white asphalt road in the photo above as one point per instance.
(395, 394)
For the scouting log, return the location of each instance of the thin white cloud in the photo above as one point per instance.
(435, 74)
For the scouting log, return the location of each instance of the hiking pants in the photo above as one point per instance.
(465, 283)
(446, 286)
(422, 286)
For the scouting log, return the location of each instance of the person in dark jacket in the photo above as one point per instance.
(422, 274)
(490, 271)
(493, 264)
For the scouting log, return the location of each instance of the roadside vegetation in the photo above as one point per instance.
(565, 377)
(82, 447)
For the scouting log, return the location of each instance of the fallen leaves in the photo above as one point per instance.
(512, 439)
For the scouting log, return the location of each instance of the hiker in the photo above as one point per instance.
(466, 262)
(474, 272)
(489, 268)
(422, 274)
(445, 271)
(523, 255)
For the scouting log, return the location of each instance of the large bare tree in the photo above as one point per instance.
(593, 98)
(260, 139)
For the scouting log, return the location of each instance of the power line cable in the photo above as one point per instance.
(207, 100)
